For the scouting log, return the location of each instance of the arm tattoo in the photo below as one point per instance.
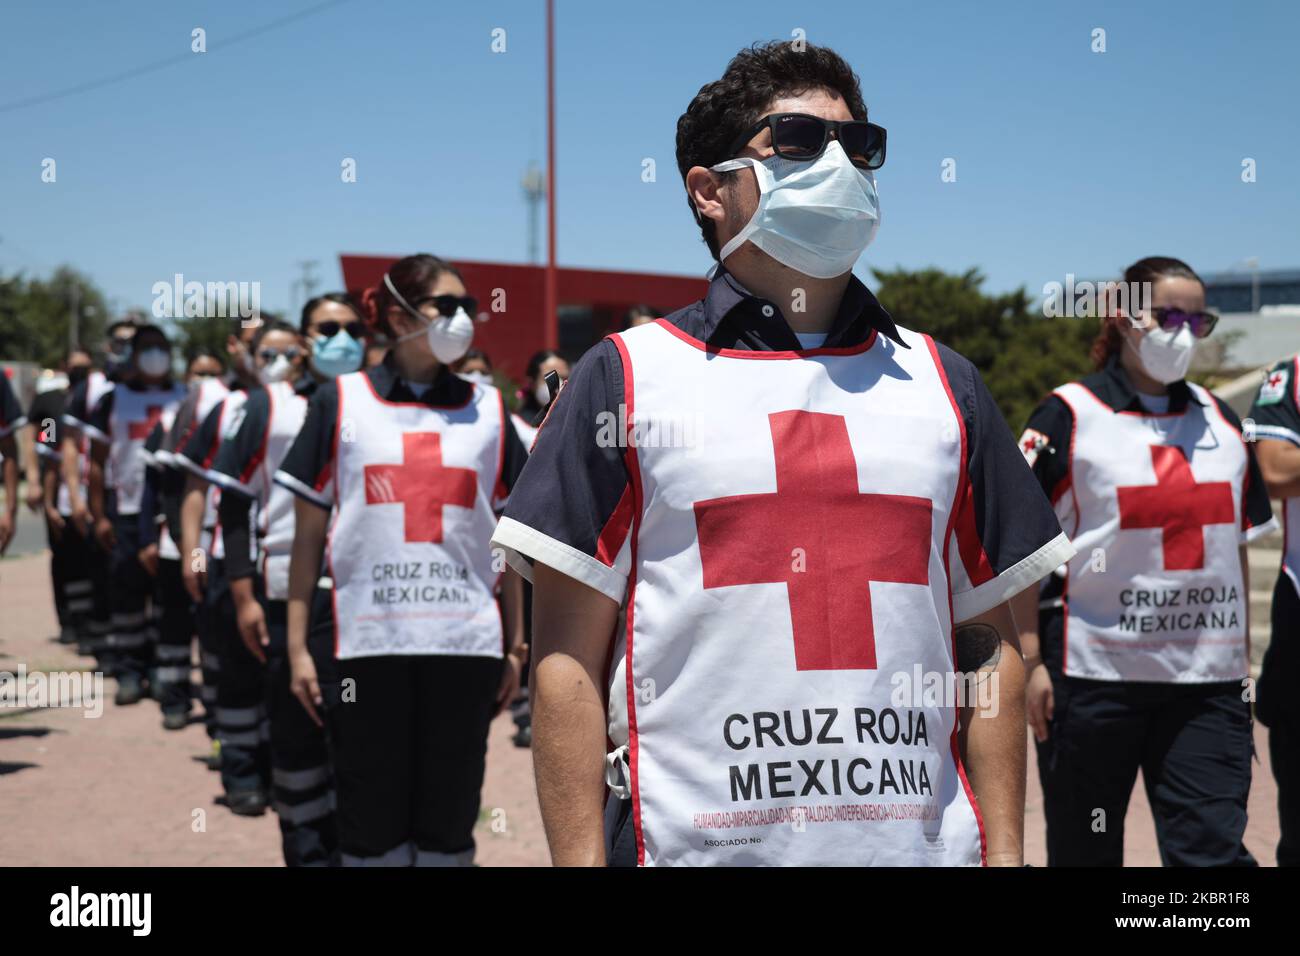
(979, 648)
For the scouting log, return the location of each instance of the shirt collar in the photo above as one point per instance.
(1125, 398)
(446, 389)
(733, 318)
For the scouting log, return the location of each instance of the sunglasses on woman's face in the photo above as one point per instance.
(329, 329)
(1201, 323)
(801, 137)
(269, 355)
(448, 304)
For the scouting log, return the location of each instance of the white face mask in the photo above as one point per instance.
(1165, 355)
(277, 370)
(816, 218)
(154, 362)
(482, 378)
(542, 393)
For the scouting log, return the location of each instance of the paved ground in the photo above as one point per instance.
(118, 790)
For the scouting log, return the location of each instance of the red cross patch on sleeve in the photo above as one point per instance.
(1031, 443)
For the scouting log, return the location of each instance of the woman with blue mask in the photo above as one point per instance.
(336, 335)
(1138, 647)
(398, 473)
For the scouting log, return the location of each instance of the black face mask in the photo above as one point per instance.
(78, 374)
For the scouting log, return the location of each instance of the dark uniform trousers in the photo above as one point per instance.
(302, 786)
(1278, 708)
(212, 614)
(174, 619)
(1193, 744)
(408, 741)
(72, 567)
(241, 724)
(128, 649)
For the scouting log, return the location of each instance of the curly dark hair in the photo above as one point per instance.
(754, 78)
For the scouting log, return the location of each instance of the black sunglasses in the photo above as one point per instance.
(1201, 323)
(270, 355)
(330, 328)
(448, 304)
(801, 137)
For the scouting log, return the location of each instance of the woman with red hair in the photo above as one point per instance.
(414, 461)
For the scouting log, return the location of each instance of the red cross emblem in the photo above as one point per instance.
(821, 538)
(1177, 505)
(137, 431)
(422, 485)
(1276, 379)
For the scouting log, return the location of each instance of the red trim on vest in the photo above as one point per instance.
(614, 533)
(499, 487)
(634, 470)
(952, 624)
(260, 455)
(329, 544)
(745, 354)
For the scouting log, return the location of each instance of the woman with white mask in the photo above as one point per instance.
(413, 462)
(1139, 646)
(120, 425)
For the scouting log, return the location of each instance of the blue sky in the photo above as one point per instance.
(225, 166)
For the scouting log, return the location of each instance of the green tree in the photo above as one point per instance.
(1021, 354)
(35, 315)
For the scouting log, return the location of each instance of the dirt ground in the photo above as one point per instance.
(117, 790)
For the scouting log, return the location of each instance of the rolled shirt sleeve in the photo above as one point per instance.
(1007, 535)
(571, 508)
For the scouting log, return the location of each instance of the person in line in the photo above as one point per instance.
(70, 554)
(1276, 418)
(120, 424)
(258, 518)
(1138, 648)
(747, 521)
(413, 462)
(173, 610)
(74, 438)
(191, 506)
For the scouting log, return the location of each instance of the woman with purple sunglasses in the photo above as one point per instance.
(1138, 648)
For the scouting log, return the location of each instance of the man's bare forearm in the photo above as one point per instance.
(992, 736)
(572, 630)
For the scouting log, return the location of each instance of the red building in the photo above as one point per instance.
(593, 303)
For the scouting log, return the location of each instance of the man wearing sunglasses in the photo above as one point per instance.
(747, 609)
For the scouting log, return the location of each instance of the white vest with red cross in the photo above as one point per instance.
(275, 503)
(1154, 591)
(97, 386)
(134, 415)
(409, 551)
(792, 528)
